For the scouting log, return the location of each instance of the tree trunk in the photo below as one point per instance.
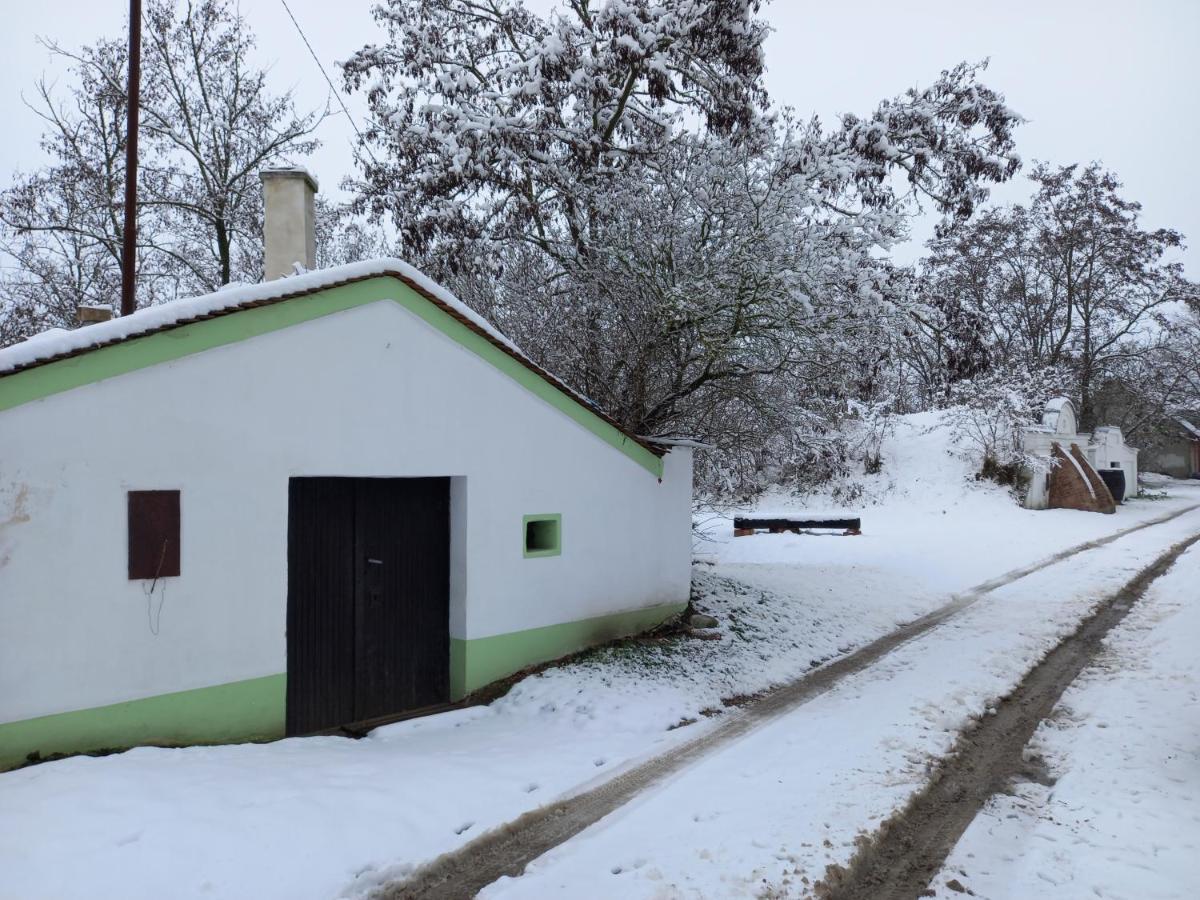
(223, 251)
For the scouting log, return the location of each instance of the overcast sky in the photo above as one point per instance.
(1114, 80)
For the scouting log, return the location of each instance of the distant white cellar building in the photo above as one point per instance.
(286, 507)
(1101, 452)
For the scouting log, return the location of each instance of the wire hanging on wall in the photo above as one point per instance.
(154, 616)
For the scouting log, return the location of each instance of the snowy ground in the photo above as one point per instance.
(927, 519)
(772, 812)
(319, 817)
(1122, 819)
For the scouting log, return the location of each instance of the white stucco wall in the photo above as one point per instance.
(1108, 450)
(372, 391)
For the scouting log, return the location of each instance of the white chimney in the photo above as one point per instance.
(288, 221)
(89, 314)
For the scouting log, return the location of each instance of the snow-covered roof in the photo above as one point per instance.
(57, 343)
(669, 441)
(1189, 427)
(1052, 414)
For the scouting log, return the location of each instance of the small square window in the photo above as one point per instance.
(153, 534)
(543, 534)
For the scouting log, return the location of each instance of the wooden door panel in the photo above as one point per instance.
(426, 541)
(320, 610)
(403, 601)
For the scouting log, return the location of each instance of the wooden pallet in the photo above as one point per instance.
(746, 525)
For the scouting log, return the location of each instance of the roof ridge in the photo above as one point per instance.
(49, 347)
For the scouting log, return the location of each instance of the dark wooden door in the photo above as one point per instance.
(320, 613)
(368, 598)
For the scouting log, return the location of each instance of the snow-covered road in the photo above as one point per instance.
(774, 811)
(1122, 818)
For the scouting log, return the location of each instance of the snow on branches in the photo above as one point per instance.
(950, 140)
(609, 184)
(1070, 280)
(489, 116)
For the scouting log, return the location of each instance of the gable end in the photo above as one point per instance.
(236, 323)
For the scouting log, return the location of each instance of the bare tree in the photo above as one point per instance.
(209, 123)
(214, 124)
(1072, 280)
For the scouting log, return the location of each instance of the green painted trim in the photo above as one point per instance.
(555, 549)
(475, 663)
(250, 710)
(458, 668)
(175, 343)
(255, 710)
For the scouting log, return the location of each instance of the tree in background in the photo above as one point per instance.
(609, 184)
(214, 124)
(209, 123)
(488, 119)
(60, 226)
(1148, 392)
(1070, 281)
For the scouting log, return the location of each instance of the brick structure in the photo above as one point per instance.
(1069, 489)
(1105, 501)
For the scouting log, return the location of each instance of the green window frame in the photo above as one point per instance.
(541, 535)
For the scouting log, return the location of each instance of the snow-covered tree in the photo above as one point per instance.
(1070, 280)
(1147, 392)
(487, 119)
(608, 183)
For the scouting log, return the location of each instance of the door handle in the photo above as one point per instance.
(375, 562)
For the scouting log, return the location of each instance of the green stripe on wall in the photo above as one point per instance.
(255, 710)
(475, 663)
(139, 353)
(226, 713)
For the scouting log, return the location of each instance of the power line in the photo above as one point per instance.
(328, 81)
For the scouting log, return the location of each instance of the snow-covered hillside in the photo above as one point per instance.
(924, 517)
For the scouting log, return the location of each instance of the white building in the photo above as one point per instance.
(325, 499)
(1105, 448)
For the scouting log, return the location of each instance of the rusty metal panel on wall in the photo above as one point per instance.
(153, 534)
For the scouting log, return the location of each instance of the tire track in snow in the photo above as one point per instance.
(910, 848)
(508, 849)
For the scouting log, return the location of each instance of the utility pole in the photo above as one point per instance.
(129, 233)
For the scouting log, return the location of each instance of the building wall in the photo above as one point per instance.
(1038, 444)
(1174, 457)
(1108, 450)
(1103, 449)
(370, 391)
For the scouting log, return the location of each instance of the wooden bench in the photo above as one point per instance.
(744, 525)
